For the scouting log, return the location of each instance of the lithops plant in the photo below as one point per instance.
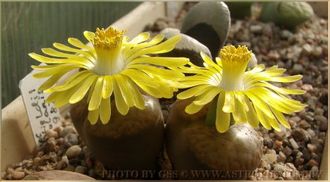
(210, 129)
(209, 23)
(186, 47)
(113, 92)
(288, 14)
(239, 9)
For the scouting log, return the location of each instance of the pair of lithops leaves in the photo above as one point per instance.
(204, 29)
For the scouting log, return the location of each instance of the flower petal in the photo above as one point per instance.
(273, 123)
(259, 103)
(193, 108)
(107, 87)
(285, 79)
(93, 116)
(121, 105)
(79, 61)
(171, 62)
(136, 95)
(280, 117)
(81, 92)
(105, 110)
(77, 43)
(222, 122)
(207, 96)
(229, 104)
(63, 97)
(210, 62)
(89, 36)
(239, 115)
(251, 114)
(140, 38)
(154, 71)
(278, 89)
(125, 92)
(51, 81)
(55, 70)
(194, 91)
(262, 119)
(278, 102)
(147, 84)
(96, 98)
(163, 47)
(71, 82)
(70, 49)
(130, 49)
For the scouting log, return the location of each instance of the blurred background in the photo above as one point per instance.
(29, 26)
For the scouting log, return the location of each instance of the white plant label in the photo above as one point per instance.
(43, 116)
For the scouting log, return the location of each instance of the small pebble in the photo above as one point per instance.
(256, 28)
(293, 143)
(73, 151)
(304, 124)
(307, 87)
(51, 134)
(287, 150)
(314, 172)
(307, 49)
(80, 169)
(281, 157)
(270, 157)
(297, 69)
(323, 122)
(15, 174)
(71, 139)
(311, 147)
(312, 163)
(300, 134)
(317, 52)
(67, 130)
(278, 144)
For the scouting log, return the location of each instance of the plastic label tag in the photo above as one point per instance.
(43, 116)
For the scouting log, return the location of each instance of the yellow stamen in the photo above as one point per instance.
(235, 57)
(234, 62)
(107, 44)
(107, 39)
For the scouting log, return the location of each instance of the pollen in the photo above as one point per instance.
(107, 38)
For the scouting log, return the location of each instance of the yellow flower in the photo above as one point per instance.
(112, 65)
(246, 96)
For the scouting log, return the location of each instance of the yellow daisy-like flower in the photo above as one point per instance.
(111, 66)
(246, 96)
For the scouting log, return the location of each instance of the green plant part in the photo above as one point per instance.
(288, 14)
(239, 10)
(187, 47)
(209, 23)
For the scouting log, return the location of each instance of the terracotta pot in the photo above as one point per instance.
(131, 142)
(198, 151)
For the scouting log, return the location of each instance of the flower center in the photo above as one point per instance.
(234, 61)
(107, 44)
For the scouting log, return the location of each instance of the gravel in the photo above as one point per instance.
(303, 51)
